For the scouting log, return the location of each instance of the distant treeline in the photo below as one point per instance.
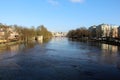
(24, 33)
(79, 33)
(85, 34)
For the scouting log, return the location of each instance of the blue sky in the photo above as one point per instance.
(59, 15)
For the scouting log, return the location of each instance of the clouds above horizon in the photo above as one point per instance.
(57, 2)
(77, 1)
(53, 2)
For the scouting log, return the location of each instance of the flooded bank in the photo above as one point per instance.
(60, 59)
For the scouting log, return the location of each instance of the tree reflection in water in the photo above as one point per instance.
(60, 59)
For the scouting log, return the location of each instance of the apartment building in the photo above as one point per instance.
(114, 31)
(106, 30)
(103, 30)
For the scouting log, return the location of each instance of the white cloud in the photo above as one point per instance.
(53, 2)
(77, 1)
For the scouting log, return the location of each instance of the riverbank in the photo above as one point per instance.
(106, 41)
(111, 42)
(7, 44)
(4, 45)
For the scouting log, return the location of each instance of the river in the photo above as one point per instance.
(60, 59)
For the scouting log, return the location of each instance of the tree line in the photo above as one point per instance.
(84, 34)
(25, 33)
(79, 33)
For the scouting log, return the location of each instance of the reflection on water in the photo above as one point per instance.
(58, 38)
(60, 59)
(9, 51)
(14, 49)
(40, 41)
(109, 48)
(109, 54)
(100, 52)
(104, 53)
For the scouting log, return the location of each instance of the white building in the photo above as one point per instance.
(114, 31)
(59, 34)
(103, 30)
(106, 30)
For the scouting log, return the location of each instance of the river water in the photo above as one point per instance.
(60, 59)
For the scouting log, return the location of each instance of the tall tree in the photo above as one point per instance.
(42, 31)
